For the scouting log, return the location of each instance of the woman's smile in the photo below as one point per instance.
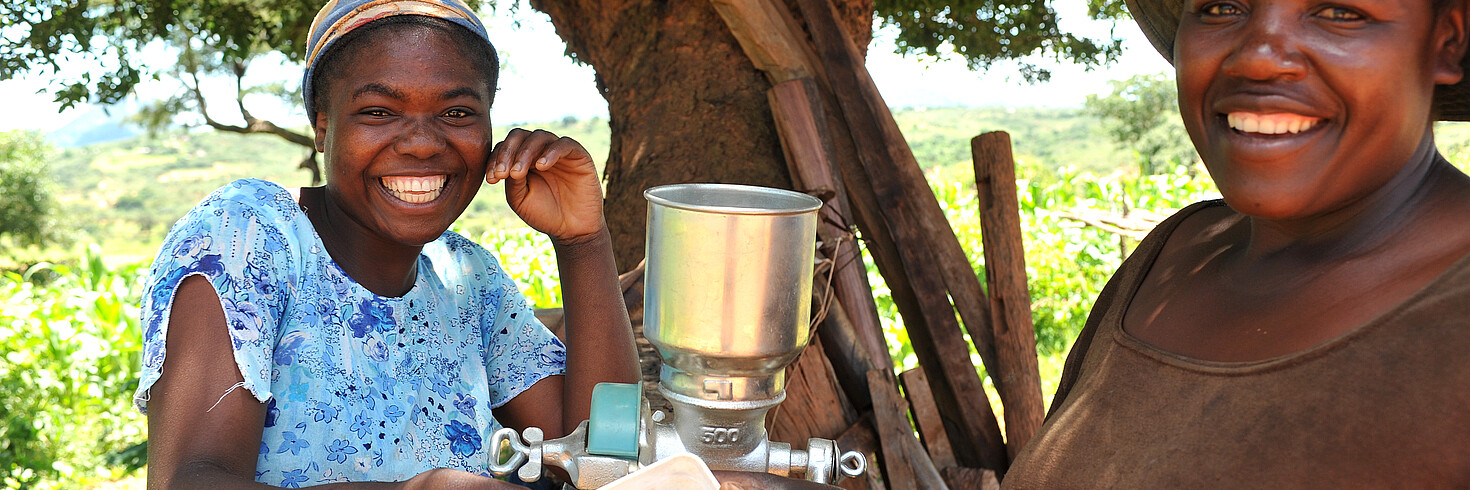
(1267, 140)
(1270, 124)
(1274, 124)
(415, 190)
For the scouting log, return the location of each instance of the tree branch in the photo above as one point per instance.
(204, 106)
(252, 123)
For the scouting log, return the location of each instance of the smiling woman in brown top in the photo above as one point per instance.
(1313, 329)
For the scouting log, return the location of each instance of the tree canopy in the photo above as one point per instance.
(207, 38)
(210, 37)
(983, 32)
(222, 38)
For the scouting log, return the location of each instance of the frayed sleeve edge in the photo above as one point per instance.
(149, 377)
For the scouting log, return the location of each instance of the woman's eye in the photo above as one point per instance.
(1340, 14)
(1220, 10)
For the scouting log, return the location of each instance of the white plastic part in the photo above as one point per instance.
(681, 472)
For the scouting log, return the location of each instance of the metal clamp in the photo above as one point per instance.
(569, 453)
(526, 457)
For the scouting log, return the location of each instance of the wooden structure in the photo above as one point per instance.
(843, 146)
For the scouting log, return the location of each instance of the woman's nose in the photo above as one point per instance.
(420, 140)
(1270, 49)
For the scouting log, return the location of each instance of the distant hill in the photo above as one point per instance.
(95, 126)
(1047, 137)
(125, 193)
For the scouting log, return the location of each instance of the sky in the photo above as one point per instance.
(539, 83)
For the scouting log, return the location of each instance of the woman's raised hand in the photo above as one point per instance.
(550, 182)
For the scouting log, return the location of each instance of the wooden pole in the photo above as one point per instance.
(775, 44)
(911, 466)
(797, 107)
(913, 216)
(771, 38)
(1016, 378)
(891, 202)
(892, 163)
(893, 426)
(850, 361)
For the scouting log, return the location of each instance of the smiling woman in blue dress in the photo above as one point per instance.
(340, 334)
(1310, 329)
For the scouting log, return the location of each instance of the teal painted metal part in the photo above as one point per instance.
(612, 428)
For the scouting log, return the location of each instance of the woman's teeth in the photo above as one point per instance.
(1247, 122)
(415, 190)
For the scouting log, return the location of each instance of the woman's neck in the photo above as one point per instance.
(1359, 227)
(385, 268)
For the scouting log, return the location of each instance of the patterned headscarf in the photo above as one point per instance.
(339, 17)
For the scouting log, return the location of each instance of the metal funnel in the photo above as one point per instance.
(728, 286)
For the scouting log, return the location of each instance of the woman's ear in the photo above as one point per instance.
(1450, 42)
(320, 130)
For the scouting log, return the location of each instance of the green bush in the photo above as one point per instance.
(1068, 263)
(68, 369)
(27, 210)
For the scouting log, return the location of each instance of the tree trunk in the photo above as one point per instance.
(685, 103)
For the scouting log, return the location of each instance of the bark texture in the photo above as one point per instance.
(685, 103)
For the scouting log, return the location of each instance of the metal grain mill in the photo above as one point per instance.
(727, 303)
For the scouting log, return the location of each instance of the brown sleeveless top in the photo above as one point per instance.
(1386, 405)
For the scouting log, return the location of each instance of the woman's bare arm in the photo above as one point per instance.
(552, 184)
(600, 344)
(194, 442)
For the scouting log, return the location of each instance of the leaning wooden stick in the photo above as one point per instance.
(936, 267)
(797, 108)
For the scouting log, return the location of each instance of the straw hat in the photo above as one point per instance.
(1159, 20)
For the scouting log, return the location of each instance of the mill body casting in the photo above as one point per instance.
(727, 302)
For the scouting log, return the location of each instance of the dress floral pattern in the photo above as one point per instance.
(357, 386)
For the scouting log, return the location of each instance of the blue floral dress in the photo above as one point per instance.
(357, 386)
